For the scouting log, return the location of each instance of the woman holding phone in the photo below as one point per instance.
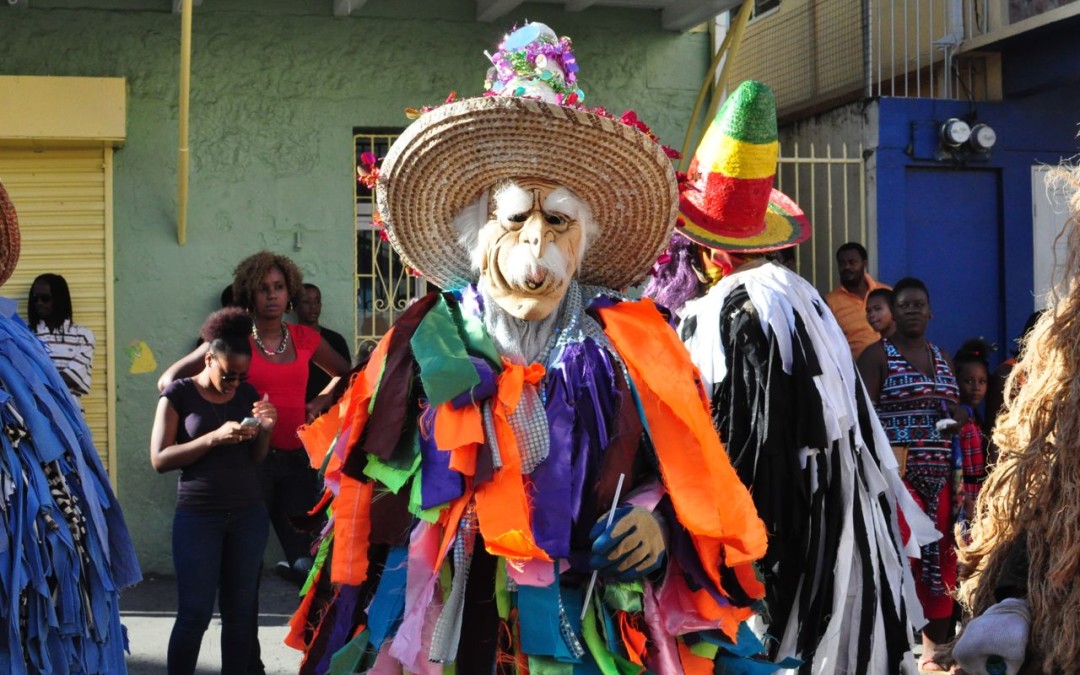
(215, 429)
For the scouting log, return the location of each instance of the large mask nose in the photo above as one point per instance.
(534, 233)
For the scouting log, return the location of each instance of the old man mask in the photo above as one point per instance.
(531, 245)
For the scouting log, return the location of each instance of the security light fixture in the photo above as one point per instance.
(982, 137)
(955, 132)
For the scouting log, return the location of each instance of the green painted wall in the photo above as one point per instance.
(277, 87)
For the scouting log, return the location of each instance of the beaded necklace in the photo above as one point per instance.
(280, 348)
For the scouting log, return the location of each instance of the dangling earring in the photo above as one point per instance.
(288, 307)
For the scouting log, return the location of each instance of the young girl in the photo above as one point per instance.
(879, 311)
(972, 375)
(214, 428)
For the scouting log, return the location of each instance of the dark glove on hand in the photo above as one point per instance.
(631, 547)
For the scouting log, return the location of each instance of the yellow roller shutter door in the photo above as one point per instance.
(63, 198)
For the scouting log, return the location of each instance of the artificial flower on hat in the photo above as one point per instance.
(728, 200)
(529, 121)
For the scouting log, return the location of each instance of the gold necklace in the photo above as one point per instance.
(280, 348)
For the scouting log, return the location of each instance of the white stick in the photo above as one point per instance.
(610, 517)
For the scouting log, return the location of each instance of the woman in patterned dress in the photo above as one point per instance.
(913, 386)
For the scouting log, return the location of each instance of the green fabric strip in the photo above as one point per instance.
(624, 596)
(502, 593)
(705, 649)
(604, 659)
(393, 478)
(416, 499)
(477, 340)
(445, 369)
(320, 560)
(346, 660)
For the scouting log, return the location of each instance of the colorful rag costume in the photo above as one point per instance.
(65, 552)
(462, 502)
(791, 410)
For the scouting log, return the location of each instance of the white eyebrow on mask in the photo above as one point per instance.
(510, 200)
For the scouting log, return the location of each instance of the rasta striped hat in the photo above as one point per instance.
(729, 201)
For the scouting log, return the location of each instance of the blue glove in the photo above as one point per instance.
(997, 636)
(630, 548)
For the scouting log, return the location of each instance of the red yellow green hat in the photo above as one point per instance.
(729, 201)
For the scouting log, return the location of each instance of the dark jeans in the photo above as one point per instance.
(290, 488)
(217, 553)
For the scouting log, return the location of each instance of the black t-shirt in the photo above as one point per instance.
(224, 478)
(317, 377)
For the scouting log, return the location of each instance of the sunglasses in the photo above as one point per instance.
(44, 297)
(227, 377)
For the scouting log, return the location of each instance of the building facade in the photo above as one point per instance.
(279, 89)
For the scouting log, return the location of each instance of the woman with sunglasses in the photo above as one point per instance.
(267, 285)
(71, 346)
(215, 429)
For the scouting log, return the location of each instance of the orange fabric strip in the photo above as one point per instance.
(298, 622)
(461, 432)
(692, 663)
(502, 506)
(350, 412)
(633, 639)
(706, 492)
(352, 530)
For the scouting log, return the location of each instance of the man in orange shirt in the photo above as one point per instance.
(848, 300)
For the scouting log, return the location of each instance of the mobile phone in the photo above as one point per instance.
(250, 422)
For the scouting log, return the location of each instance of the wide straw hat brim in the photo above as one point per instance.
(785, 225)
(444, 160)
(10, 241)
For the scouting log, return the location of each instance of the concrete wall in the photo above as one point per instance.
(277, 88)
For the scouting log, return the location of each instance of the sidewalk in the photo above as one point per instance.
(149, 609)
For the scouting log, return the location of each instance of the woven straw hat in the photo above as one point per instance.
(9, 236)
(445, 159)
(731, 203)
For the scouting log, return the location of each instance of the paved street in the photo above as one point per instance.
(149, 609)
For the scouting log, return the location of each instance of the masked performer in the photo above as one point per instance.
(1019, 574)
(790, 407)
(513, 436)
(66, 551)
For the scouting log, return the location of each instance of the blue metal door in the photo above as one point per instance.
(954, 233)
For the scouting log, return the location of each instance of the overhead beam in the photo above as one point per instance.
(578, 5)
(347, 7)
(682, 15)
(489, 10)
(178, 5)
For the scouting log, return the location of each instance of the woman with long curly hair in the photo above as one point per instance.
(1023, 561)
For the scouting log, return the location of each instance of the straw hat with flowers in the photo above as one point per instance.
(530, 124)
(9, 236)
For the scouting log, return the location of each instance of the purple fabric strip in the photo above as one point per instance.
(438, 482)
(343, 608)
(579, 407)
(486, 389)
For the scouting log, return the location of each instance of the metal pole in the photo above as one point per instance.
(185, 93)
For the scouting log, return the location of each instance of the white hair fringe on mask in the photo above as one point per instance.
(510, 199)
